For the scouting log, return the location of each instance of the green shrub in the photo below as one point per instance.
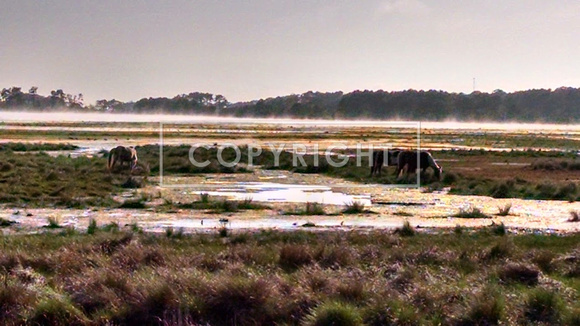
(334, 256)
(543, 259)
(238, 301)
(474, 212)
(132, 183)
(334, 313)
(543, 305)
(313, 209)
(498, 229)
(450, 178)
(92, 228)
(406, 230)
(56, 312)
(111, 227)
(137, 203)
(354, 207)
(293, 256)
(519, 273)
(501, 249)
(227, 206)
(487, 308)
(5, 222)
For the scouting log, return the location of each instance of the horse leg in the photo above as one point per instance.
(402, 169)
(373, 162)
(113, 162)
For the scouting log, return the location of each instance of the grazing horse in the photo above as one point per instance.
(426, 160)
(379, 160)
(122, 154)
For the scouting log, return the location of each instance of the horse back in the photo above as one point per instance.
(410, 158)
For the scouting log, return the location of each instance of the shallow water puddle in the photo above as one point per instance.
(511, 163)
(290, 193)
(287, 223)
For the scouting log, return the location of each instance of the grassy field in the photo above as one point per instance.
(31, 177)
(42, 180)
(112, 276)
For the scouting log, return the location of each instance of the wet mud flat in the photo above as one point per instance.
(285, 192)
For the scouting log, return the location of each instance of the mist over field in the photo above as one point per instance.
(72, 117)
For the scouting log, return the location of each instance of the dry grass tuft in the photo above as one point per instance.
(505, 210)
(294, 256)
(519, 273)
(574, 216)
(286, 278)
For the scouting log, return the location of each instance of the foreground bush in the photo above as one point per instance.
(115, 276)
(334, 313)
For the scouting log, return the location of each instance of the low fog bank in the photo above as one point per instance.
(72, 117)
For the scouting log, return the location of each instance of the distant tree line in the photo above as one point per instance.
(15, 98)
(561, 105)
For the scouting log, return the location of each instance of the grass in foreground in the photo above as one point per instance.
(115, 276)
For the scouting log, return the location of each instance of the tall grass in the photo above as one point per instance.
(473, 212)
(543, 305)
(53, 223)
(57, 181)
(504, 210)
(406, 230)
(334, 313)
(286, 278)
(354, 207)
(310, 208)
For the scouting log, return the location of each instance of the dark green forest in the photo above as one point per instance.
(561, 105)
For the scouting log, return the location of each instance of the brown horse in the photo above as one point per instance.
(122, 154)
(379, 160)
(426, 160)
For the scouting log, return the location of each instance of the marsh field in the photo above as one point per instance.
(493, 241)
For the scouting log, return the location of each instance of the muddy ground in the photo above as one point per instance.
(285, 192)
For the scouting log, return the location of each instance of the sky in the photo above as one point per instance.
(247, 50)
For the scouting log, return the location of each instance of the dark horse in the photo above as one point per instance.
(426, 160)
(122, 154)
(379, 160)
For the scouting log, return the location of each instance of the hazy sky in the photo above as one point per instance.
(255, 49)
